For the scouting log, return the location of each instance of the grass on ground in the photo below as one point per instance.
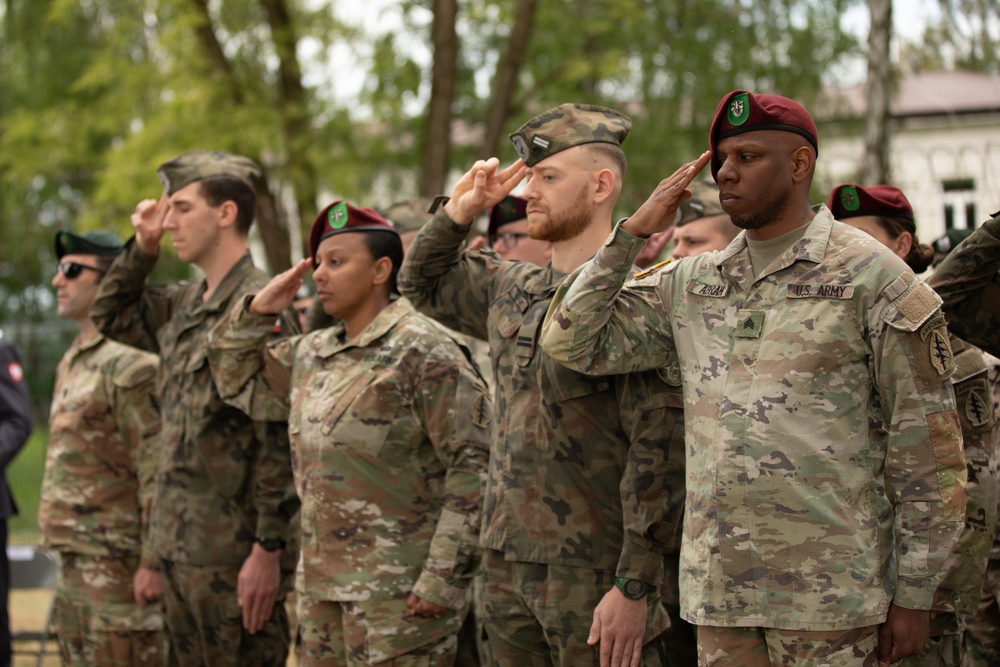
(24, 475)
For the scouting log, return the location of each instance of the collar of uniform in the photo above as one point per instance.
(229, 285)
(383, 323)
(735, 260)
(543, 280)
(76, 348)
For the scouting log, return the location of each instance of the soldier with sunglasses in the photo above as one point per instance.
(97, 490)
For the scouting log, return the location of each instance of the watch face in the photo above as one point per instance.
(634, 589)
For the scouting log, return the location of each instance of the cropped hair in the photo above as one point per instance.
(219, 189)
(612, 152)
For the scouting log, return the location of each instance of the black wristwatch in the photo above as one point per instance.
(270, 543)
(633, 589)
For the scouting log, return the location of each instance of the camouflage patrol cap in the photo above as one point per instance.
(853, 201)
(187, 168)
(568, 125)
(340, 217)
(704, 203)
(87, 243)
(409, 215)
(741, 111)
(510, 209)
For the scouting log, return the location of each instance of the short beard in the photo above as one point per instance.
(763, 217)
(564, 225)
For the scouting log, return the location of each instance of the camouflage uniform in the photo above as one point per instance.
(825, 477)
(968, 281)
(96, 495)
(389, 436)
(222, 480)
(981, 640)
(961, 587)
(473, 649)
(553, 517)
(969, 284)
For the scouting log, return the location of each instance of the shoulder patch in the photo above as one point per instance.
(16, 372)
(918, 303)
(481, 410)
(910, 311)
(930, 350)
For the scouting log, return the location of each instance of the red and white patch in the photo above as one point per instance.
(15, 371)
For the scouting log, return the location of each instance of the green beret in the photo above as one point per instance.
(704, 203)
(410, 215)
(187, 168)
(566, 126)
(87, 243)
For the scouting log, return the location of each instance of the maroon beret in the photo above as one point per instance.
(854, 201)
(741, 111)
(341, 217)
(510, 209)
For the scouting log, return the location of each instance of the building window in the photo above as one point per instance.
(959, 203)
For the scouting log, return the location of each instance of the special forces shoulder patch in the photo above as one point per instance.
(935, 334)
(481, 410)
(931, 351)
(977, 410)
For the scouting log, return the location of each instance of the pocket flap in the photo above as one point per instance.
(394, 637)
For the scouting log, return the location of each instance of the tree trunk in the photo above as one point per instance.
(295, 116)
(212, 50)
(875, 168)
(505, 81)
(272, 232)
(437, 134)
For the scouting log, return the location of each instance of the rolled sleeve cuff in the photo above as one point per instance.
(442, 593)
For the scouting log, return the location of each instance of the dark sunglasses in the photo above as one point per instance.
(72, 269)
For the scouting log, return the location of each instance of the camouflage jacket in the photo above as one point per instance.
(104, 436)
(390, 441)
(968, 281)
(825, 476)
(994, 378)
(222, 479)
(561, 440)
(961, 587)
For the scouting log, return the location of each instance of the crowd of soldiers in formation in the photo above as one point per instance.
(734, 428)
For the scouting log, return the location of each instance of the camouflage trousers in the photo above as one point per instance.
(680, 640)
(982, 634)
(473, 648)
(205, 621)
(763, 647)
(96, 618)
(350, 634)
(540, 615)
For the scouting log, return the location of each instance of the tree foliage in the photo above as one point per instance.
(98, 93)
